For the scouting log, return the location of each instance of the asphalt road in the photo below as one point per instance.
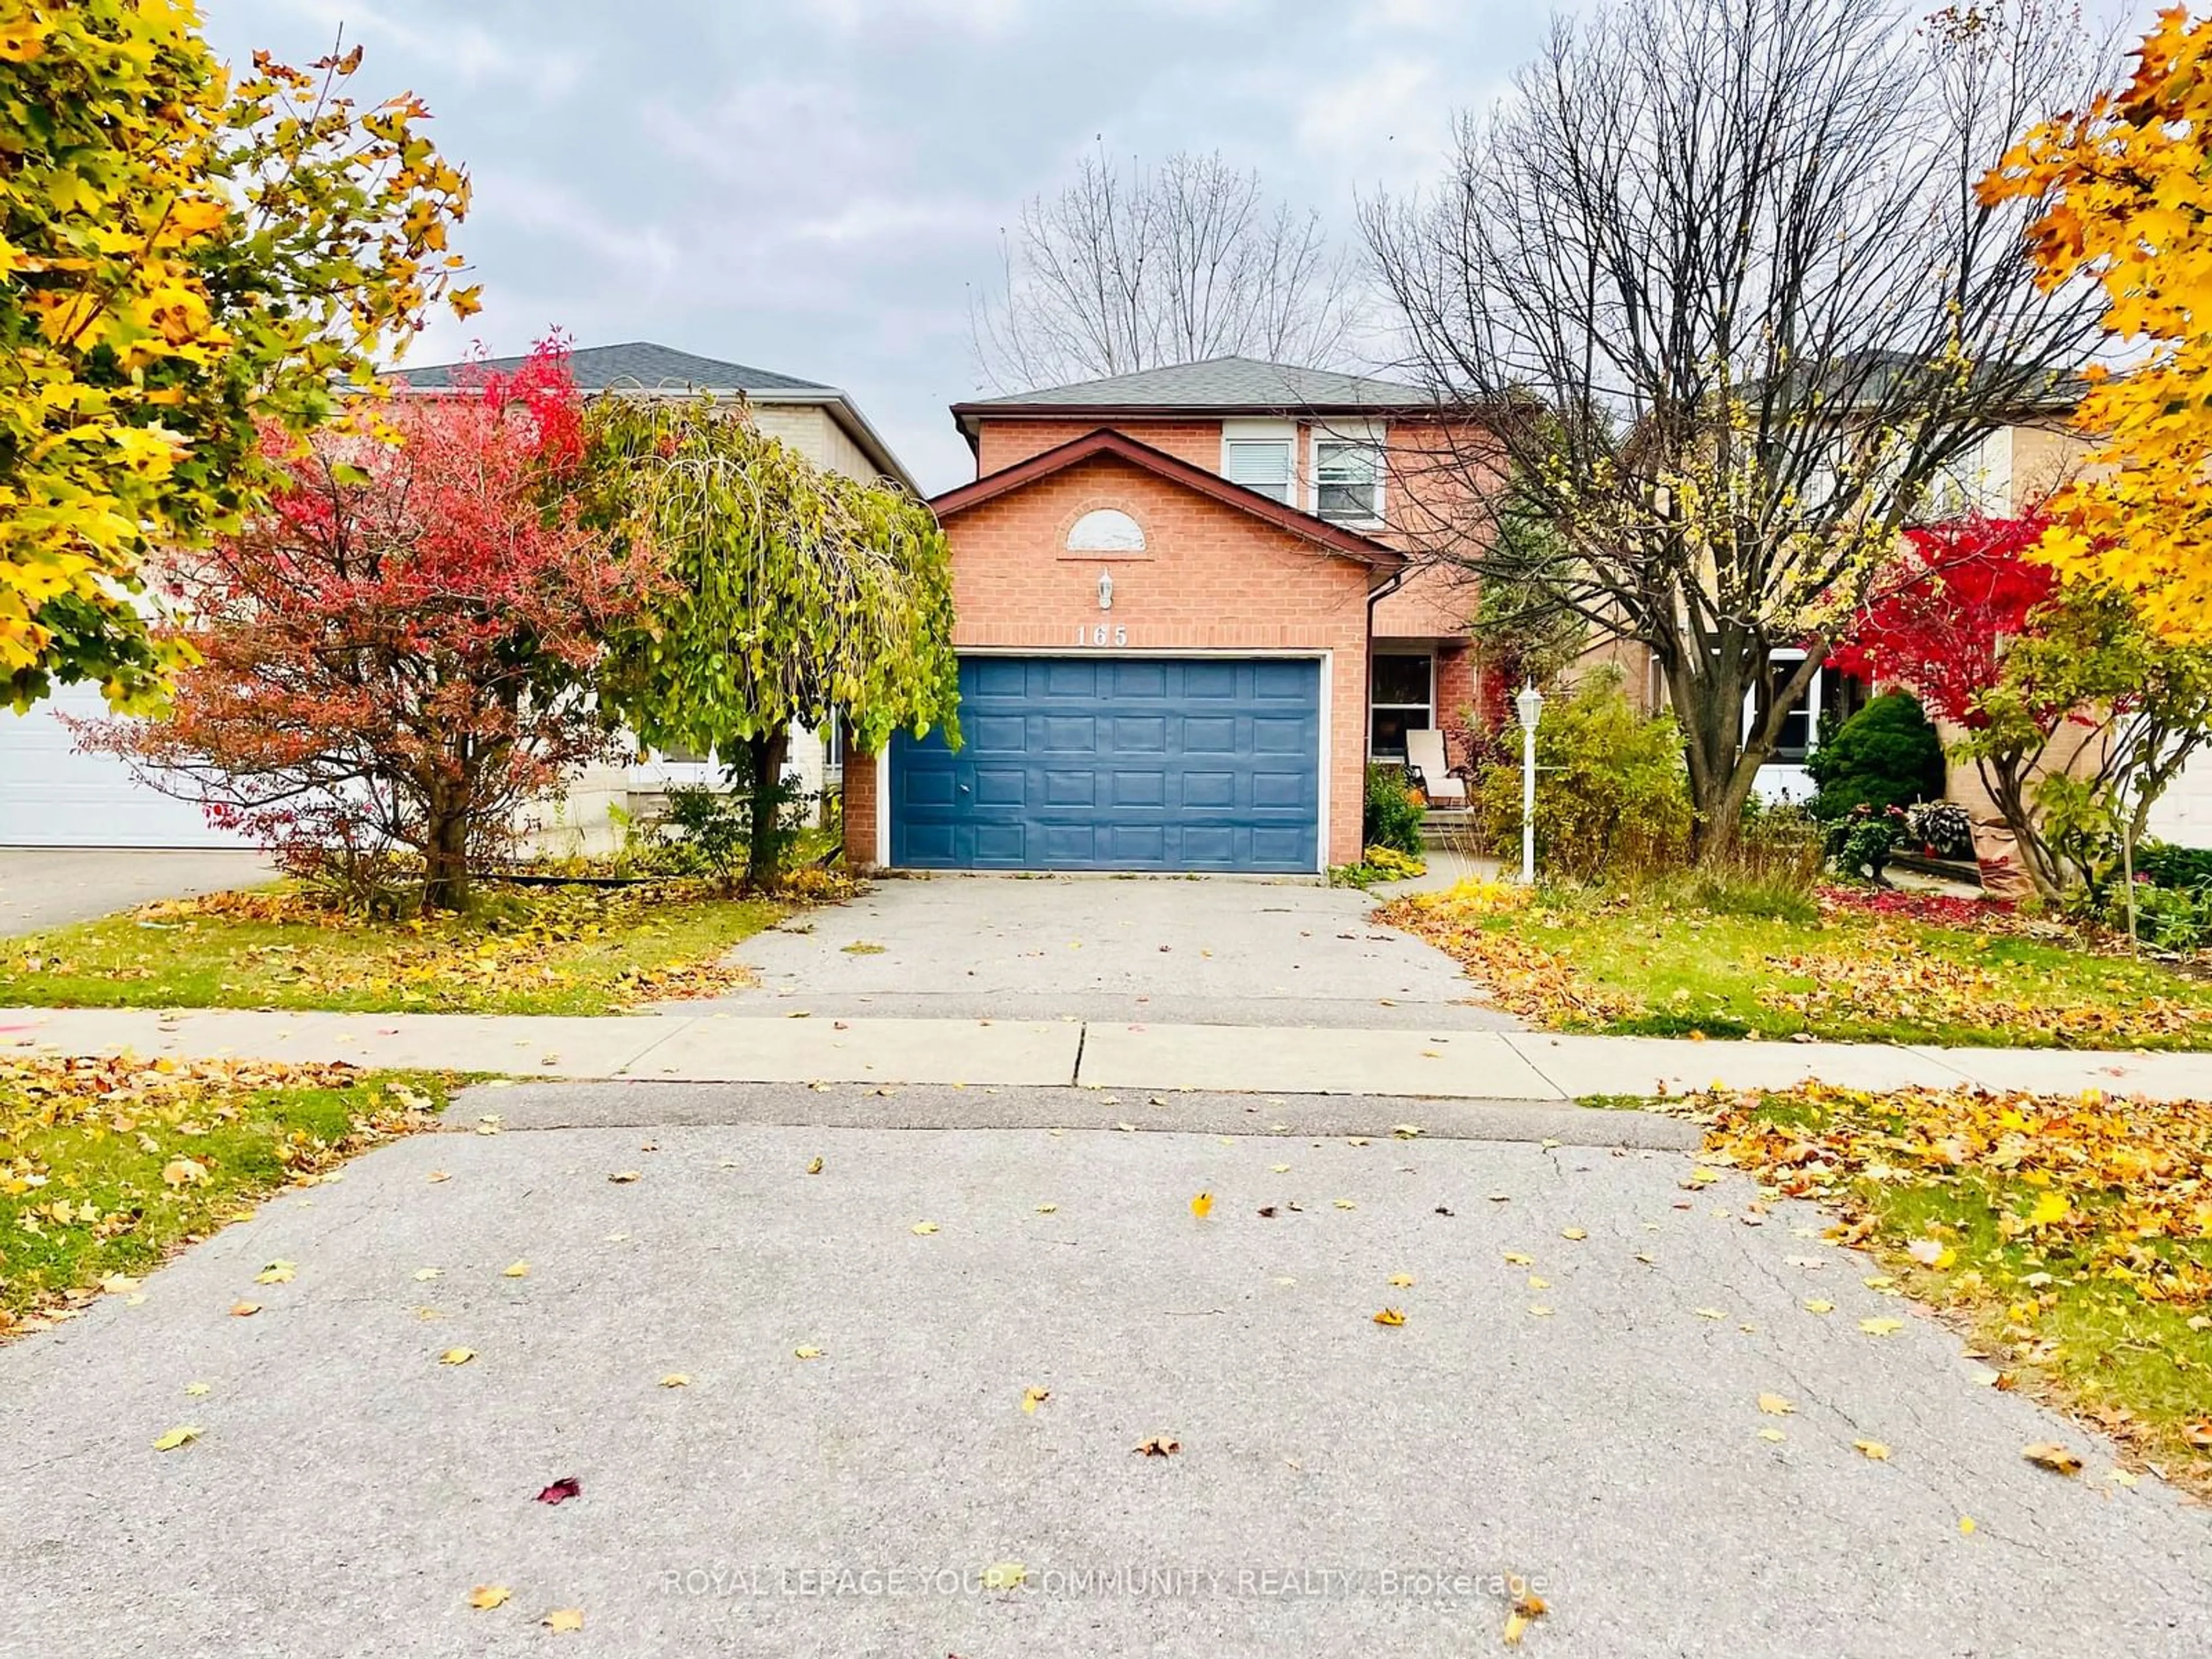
(1342, 1487)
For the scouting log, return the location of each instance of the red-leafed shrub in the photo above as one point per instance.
(398, 653)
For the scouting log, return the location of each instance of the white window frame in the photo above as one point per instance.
(1427, 708)
(1788, 657)
(1375, 439)
(1283, 433)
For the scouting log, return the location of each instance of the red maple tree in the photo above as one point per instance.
(1939, 625)
(398, 653)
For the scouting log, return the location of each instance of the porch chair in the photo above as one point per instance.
(1425, 759)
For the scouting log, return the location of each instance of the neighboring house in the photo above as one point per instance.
(823, 424)
(2009, 473)
(52, 796)
(1185, 622)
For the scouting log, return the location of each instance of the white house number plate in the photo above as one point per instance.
(1100, 634)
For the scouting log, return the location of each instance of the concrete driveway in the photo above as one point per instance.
(1339, 1486)
(44, 887)
(1197, 951)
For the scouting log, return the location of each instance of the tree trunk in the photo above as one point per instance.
(764, 858)
(446, 860)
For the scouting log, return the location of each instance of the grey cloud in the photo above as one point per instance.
(814, 187)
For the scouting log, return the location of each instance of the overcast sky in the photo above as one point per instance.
(815, 187)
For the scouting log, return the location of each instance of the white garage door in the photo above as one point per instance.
(52, 796)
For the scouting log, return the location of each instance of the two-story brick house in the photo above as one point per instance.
(1185, 620)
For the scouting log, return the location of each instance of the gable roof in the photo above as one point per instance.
(639, 364)
(1105, 441)
(1217, 386)
(642, 368)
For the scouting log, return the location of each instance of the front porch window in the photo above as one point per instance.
(1830, 698)
(1401, 698)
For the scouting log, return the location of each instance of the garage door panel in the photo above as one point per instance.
(1284, 789)
(1118, 764)
(1209, 734)
(1001, 786)
(996, 734)
(1065, 788)
(1209, 790)
(1000, 677)
(51, 795)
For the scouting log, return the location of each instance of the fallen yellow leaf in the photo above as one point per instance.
(244, 1310)
(1815, 1305)
(2048, 1455)
(1536, 1284)
(623, 1177)
(1709, 1313)
(428, 1272)
(1032, 1398)
(457, 1356)
(676, 1380)
(1048, 1209)
(1005, 1575)
(1873, 1448)
(487, 1596)
(1278, 1168)
(276, 1272)
(1515, 1258)
(1575, 1233)
(1772, 1434)
(1202, 1205)
(564, 1618)
(1881, 1326)
(1966, 1524)
(1402, 1280)
(1390, 1316)
(815, 1168)
(1345, 1204)
(925, 1228)
(806, 1354)
(517, 1270)
(1775, 1406)
(177, 1437)
(196, 1389)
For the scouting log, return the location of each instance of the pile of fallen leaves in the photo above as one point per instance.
(1523, 977)
(167, 1112)
(2007, 1206)
(1969, 916)
(1878, 974)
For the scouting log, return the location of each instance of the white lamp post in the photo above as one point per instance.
(1529, 703)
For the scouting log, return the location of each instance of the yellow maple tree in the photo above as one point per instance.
(190, 262)
(2128, 192)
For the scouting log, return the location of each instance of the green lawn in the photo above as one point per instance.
(2069, 1237)
(1651, 965)
(524, 950)
(107, 1166)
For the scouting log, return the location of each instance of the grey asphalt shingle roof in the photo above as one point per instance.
(1219, 383)
(640, 363)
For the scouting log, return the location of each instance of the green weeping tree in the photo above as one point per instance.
(796, 596)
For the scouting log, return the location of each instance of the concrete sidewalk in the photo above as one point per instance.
(799, 1048)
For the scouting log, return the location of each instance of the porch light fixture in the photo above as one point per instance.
(1105, 589)
(1529, 703)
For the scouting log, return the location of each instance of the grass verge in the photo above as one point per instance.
(522, 951)
(108, 1166)
(1661, 963)
(2069, 1238)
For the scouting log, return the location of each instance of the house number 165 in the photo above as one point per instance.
(1100, 634)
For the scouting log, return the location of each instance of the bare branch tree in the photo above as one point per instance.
(1120, 271)
(1719, 272)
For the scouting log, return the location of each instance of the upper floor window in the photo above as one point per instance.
(1347, 481)
(1259, 464)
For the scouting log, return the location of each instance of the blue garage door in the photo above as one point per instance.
(1117, 763)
